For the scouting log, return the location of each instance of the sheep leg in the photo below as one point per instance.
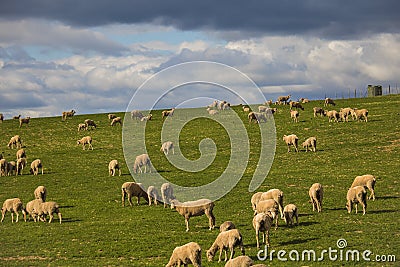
(220, 254)
(12, 217)
(51, 217)
(2, 216)
(187, 224)
(257, 237)
(364, 208)
(130, 199)
(356, 208)
(59, 216)
(211, 219)
(276, 222)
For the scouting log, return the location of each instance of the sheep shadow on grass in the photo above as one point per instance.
(381, 211)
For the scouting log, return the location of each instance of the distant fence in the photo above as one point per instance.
(366, 92)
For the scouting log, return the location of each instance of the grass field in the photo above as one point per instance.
(98, 231)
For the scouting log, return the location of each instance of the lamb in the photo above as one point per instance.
(332, 115)
(283, 99)
(140, 161)
(294, 104)
(224, 241)
(21, 153)
(166, 147)
(240, 261)
(87, 140)
(35, 166)
(21, 163)
(329, 101)
(67, 114)
(365, 180)
(81, 127)
(360, 113)
(276, 195)
(30, 207)
(147, 118)
(212, 111)
(262, 222)
(167, 193)
(113, 166)
(111, 116)
(294, 114)
(356, 195)
(195, 208)
(310, 143)
(136, 114)
(316, 194)
(11, 168)
(189, 253)
(13, 205)
(40, 193)
(131, 189)
(168, 113)
(228, 225)
(24, 120)
(269, 206)
(90, 123)
(3, 167)
(318, 110)
(15, 141)
(48, 208)
(291, 140)
(116, 120)
(289, 212)
(153, 195)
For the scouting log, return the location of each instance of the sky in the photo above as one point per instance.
(92, 56)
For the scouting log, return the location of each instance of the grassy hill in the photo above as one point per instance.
(98, 231)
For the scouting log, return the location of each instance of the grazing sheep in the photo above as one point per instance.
(30, 207)
(262, 108)
(195, 208)
(13, 205)
(332, 115)
(318, 110)
(113, 166)
(35, 166)
(87, 140)
(21, 153)
(166, 147)
(271, 111)
(255, 198)
(67, 114)
(294, 114)
(310, 143)
(15, 141)
(111, 116)
(47, 208)
(167, 193)
(11, 168)
(81, 127)
(153, 195)
(147, 118)
(246, 109)
(228, 225)
(40, 193)
(257, 117)
(366, 180)
(136, 114)
(269, 102)
(304, 100)
(212, 111)
(345, 113)
(283, 99)
(168, 113)
(224, 241)
(329, 101)
(221, 105)
(226, 106)
(21, 163)
(213, 105)
(17, 117)
(116, 120)
(276, 195)
(90, 123)
(24, 120)
(294, 104)
(240, 261)
(356, 195)
(3, 167)
(316, 194)
(269, 206)
(140, 161)
(189, 253)
(360, 113)
(291, 140)
(262, 222)
(131, 189)
(1, 117)
(289, 212)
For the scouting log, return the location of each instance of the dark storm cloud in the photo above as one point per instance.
(330, 19)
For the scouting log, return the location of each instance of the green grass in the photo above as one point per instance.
(98, 231)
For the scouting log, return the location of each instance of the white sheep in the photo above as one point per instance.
(35, 166)
(168, 113)
(289, 212)
(24, 120)
(224, 241)
(212, 111)
(213, 105)
(304, 100)
(30, 208)
(15, 141)
(167, 193)
(111, 116)
(66, 114)
(81, 127)
(291, 140)
(240, 261)
(318, 110)
(47, 208)
(257, 117)
(294, 114)
(195, 208)
(90, 123)
(167, 146)
(13, 205)
(332, 115)
(140, 161)
(130, 189)
(153, 195)
(87, 140)
(11, 168)
(268, 206)
(255, 198)
(276, 195)
(283, 99)
(310, 143)
(246, 109)
(360, 113)
(329, 101)
(367, 180)
(262, 108)
(227, 225)
(20, 153)
(116, 120)
(21, 163)
(136, 114)
(316, 194)
(269, 102)
(40, 193)
(189, 253)
(294, 104)
(345, 113)
(3, 167)
(113, 166)
(147, 118)
(356, 195)
(262, 222)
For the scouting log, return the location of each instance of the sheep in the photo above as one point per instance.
(13, 205)
(130, 189)
(246, 109)
(21, 163)
(1, 117)
(283, 99)
(20, 153)
(167, 146)
(240, 261)
(212, 111)
(294, 114)
(147, 118)
(30, 207)
(153, 195)
(116, 120)
(111, 116)
(66, 114)
(316, 194)
(366, 180)
(310, 143)
(356, 195)
(304, 100)
(268, 102)
(113, 166)
(17, 117)
(271, 111)
(195, 208)
(332, 115)
(289, 212)
(294, 104)
(11, 168)
(24, 120)
(40, 193)
(167, 193)
(136, 114)
(47, 208)
(35, 165)
(90, 123)
(262, 222)
(140, 161)
(360, 113)
(329, 101)
(318, 110)
(3, 167)
(257, 117)
(226, 106)
(213, 105)
(189, 253)
(168, 113)
(15, 141)
(269, 206)
(276, 195)
(81, 127)
(228, 225)
(262, 108)
(255, 198)
(224, 241)
(87, 140)
(345, 113)
(221, 105)
(291, 140)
